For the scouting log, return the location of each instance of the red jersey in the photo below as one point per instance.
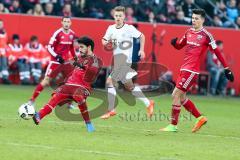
(85, 77)
(197, 42)
(61, 44)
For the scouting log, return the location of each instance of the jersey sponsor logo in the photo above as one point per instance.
(199, 37)
(71, 37)
(62, 42)
(193, 43)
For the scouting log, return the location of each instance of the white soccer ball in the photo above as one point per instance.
(26, 111)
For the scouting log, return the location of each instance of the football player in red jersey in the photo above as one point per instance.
(78, 85)
(196, 41)
(60, 45)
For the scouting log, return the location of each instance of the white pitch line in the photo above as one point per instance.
(70, 149)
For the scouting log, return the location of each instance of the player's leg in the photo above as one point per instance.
(184, 82)
(111, 99)
(84, 111)
(176, 109)
(137, 92)
(190, 107)
(47, 109)
(39, 88)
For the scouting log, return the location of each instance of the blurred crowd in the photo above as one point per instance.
(220, 13)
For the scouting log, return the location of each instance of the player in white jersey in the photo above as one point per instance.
(120, 36)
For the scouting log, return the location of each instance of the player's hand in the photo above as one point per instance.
(75, 58)
(59, 59)
(229, 74)
(80, 65)
(141, 54)
(174, 41)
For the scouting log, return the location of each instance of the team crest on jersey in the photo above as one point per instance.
(199, 37)
(183, 79)
(71, 37)
(62, 37)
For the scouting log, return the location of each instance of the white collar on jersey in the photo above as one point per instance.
(197, 31)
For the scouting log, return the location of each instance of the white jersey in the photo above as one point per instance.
(122, 38)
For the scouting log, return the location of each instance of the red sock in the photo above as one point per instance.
(176, 109)
(190, 107)
(37, 91)
(53, 102)
(84, 111)
(45, 110)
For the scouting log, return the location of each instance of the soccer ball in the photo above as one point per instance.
(26, 111)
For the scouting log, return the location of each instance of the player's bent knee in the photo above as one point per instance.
(45, 82)
(129, 88)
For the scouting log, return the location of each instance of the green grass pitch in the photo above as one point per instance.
(126, 136)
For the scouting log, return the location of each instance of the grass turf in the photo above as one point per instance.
(129, 135)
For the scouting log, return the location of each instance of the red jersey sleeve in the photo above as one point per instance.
(182, 42)
(53, 42)
(92, 69)
(213, 47)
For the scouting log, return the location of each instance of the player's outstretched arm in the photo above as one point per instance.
(178, 45)
(227, 71)
(142, 45)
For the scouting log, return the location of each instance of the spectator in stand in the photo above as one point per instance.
(35, 52)
(18, 59)
(66, 11)
(156, 6)
(139, 7)
(4, 74)
(129, 15)
(181, 19)
(232, 13)
(105, 6)
(28, 4)
(217, 21)
(222, 7)
(238, 23)
(6, 3)
(38, 10)
(151, 18)
(49, 9)
(15, 7)
(187, 7)
(3, 9)
(162, 18)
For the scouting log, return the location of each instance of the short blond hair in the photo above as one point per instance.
(120, 9)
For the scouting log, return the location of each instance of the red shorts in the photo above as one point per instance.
(73, 92)
(54, 68)
(185, 80)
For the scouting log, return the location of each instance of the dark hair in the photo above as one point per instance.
(120, 9)
(33, 38)
(86, 41)
(15, 36)
(218, 42)
(66, 17)
(200, 12)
